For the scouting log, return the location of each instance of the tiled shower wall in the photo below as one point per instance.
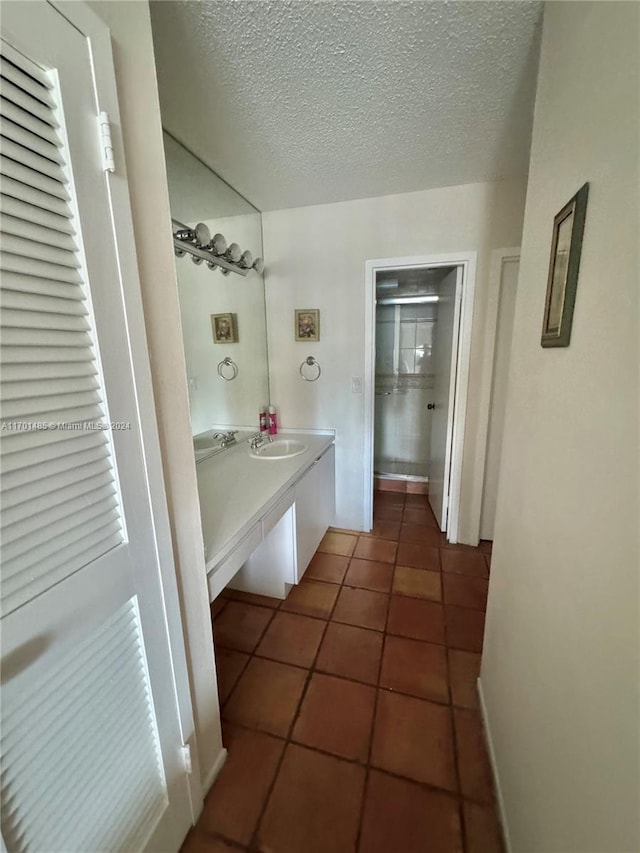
(404, 383)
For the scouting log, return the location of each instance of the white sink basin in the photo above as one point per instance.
(280, 448)
(205, 441)
(205, 445)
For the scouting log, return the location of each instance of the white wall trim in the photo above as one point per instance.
(462, 385)
(468, 261)
(494, 769)
(498, 259)
(215, 771)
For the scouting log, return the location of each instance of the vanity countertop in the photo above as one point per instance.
(236, 489)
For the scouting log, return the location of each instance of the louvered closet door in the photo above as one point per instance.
(90, 740)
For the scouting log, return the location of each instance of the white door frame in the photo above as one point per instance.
(498, 259)
(93, 27)
(466, 260)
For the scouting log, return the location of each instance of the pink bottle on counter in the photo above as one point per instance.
(273, 421)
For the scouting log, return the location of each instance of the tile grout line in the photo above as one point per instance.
(250, 656)
(352, 680)
(430, 642)
(427, 786)
(289, 738)
(390, 593)
(454, 739)
(374, 718)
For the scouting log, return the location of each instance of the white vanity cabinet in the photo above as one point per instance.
(263, 520)
(315, 507)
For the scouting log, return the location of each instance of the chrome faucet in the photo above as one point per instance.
(258, 440)
(226, 438)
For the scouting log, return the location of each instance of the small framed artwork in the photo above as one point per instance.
(225, 328)
(564, 265)
(307, 324)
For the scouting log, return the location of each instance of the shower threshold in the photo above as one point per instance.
(406, 478)
(408, 471)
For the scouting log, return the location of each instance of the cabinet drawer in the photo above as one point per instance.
(274, 515)
(221, 574)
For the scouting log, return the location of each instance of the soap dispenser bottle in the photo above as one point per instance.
(262, 419)
(273, 421)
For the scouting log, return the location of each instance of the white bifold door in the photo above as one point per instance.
(445, 357)
(91, 741)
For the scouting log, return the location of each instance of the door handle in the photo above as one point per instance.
(431, 405)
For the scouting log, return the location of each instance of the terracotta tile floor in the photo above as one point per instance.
(350, 711)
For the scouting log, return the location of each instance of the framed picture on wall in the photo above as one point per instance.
(307, 324)
(564, 264)
(225, 328)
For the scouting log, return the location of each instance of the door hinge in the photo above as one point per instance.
(185, 751)
(106, 145)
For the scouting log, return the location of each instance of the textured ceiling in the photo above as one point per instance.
(296, 102)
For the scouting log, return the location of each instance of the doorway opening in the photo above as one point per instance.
(419, 323)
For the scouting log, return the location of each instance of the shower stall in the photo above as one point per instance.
(407, 303)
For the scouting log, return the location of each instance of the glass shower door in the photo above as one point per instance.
(404, 379)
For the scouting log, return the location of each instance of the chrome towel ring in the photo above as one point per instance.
(310, 362)
(233, 369)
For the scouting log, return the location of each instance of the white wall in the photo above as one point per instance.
(560, 666)
(315, 258)
(140, 113)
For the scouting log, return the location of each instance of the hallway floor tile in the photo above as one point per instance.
(350, 710)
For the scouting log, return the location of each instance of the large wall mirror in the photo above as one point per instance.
(198, 195)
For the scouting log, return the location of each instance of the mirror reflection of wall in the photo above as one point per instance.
(198, 195)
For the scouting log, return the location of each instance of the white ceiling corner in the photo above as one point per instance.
(295, 102)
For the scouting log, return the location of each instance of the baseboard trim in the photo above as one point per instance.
(213, 774)
(494, 770)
